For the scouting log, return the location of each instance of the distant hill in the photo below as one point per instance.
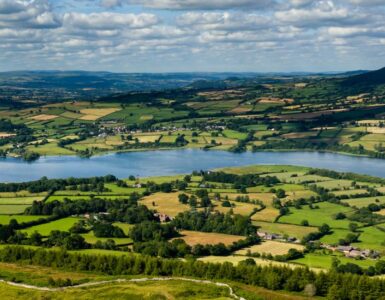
(368, 79)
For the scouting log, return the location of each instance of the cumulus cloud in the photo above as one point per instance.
(368, 2)
(10, 7)
(236, 35)
(28, 14)
(324, 13)
(193, 4)
(109, 21)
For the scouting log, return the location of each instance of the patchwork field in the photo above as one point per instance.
(289, 229)
(165, 203)
(45, 229)
(205, 238)
(270, 247)
(317, 217)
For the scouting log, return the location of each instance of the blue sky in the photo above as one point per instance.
(192, 35)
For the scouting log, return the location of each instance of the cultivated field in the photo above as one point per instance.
(205, 238)
(270, 247)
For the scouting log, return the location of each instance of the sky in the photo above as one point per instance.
(192, 35)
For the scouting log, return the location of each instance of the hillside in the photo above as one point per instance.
(369, 79)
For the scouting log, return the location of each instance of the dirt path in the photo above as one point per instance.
(90, 284)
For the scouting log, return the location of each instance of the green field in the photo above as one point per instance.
(363, 202)
(321, 260)
(12, 209)
(4, 220)
(45, 229)
(317, 217)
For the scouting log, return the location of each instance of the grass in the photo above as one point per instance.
(21, 194)
(92, 239)
(124, 226)
(309, 178)
(333, 239)
(19, 200)
(324, 260)
(350, 193)
(244, 209)
(317, 217)
(335, 184)
(12, 209)
(236, 259)
(50, 149)
(39, 276)
(206, 238)
(166, 203)
(93, 114)
(289, 229)
(140, 291)
(372, 238)
(363, 202)
(260, 169)
(4, 220)
(269, 214)
(45, 229)
(270, 247)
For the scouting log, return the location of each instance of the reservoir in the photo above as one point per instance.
(171, 162)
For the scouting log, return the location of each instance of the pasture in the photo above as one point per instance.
(9, 209)
(318, 216)
(289, 229)
(4, 220)
(45, 229)
(363, 202)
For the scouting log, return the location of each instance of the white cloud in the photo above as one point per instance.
(237, 35)
(201, 4)
(109, 21)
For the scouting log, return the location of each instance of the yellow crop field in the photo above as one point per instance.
(207, 238)
(5, 135)
(269, 214)
(44, 117)
(244, 209)
(147, 138)
(92, 114)
(270, 247)
(165, 203)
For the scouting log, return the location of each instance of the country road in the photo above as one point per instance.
(90, 284)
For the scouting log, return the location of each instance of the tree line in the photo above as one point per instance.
(333, 285)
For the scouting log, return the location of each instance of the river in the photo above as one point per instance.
(171, 162)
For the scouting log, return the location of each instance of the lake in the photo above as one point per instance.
(171, 162)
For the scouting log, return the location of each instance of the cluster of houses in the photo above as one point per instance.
(353, 252)
(163, 218)
(279, 237)
(348, 251)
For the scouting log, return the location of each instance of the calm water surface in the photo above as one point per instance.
(155, 163)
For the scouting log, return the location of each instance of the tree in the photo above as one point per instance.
(193, 201)
(324, 229)
(280, 193)
(183, 198)
(74, 242)
(205, 201)
(353, 227)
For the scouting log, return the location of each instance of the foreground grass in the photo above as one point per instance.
(151, 290)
